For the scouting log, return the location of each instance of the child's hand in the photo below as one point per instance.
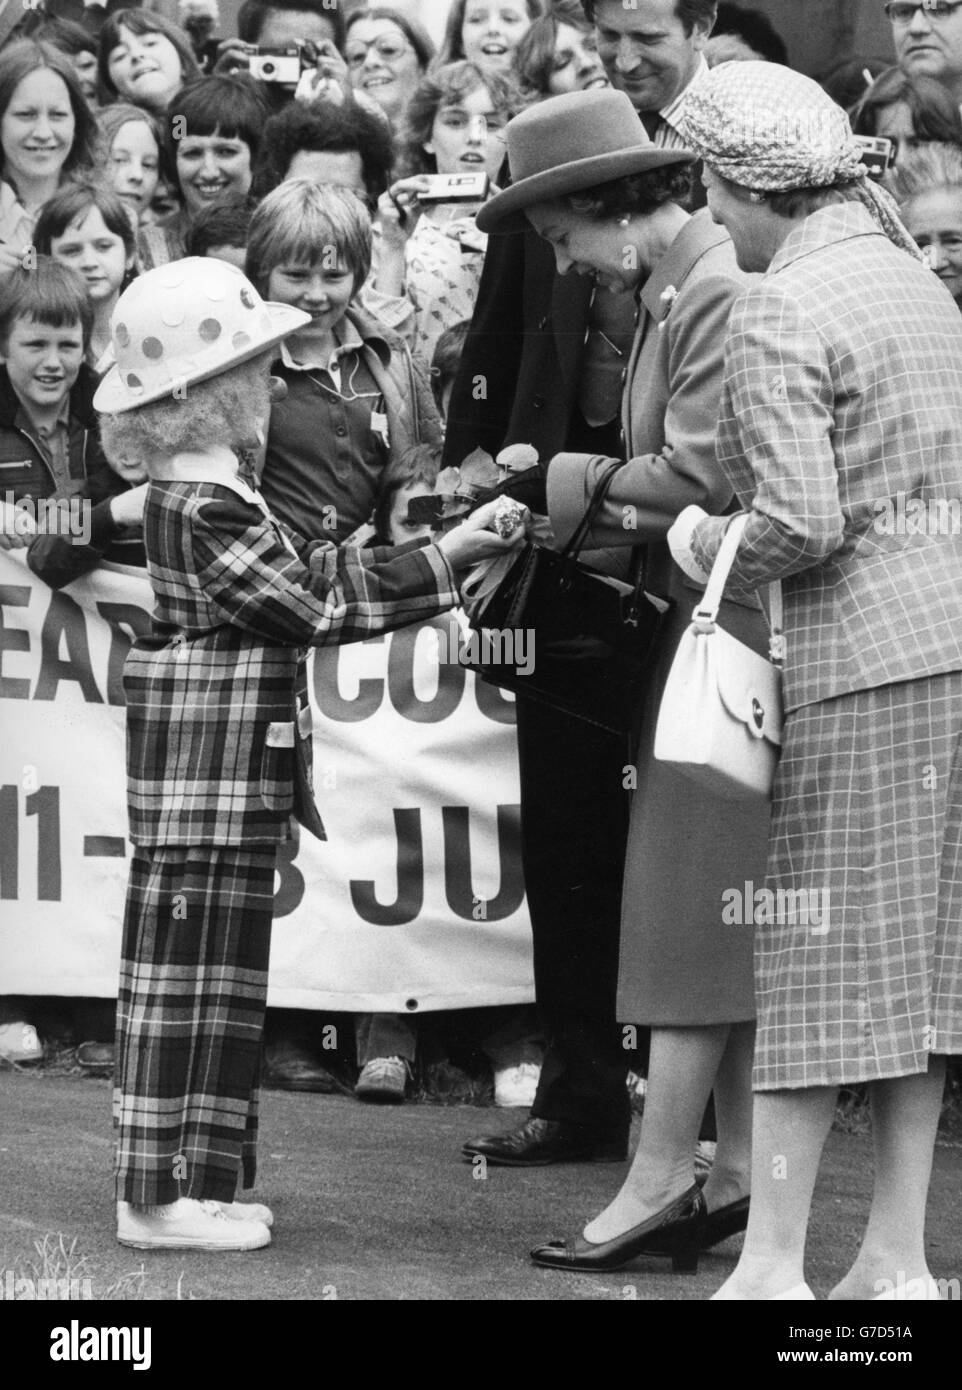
(18, 529)
(127, 508)
(473, 540)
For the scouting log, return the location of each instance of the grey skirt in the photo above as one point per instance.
(860, 977)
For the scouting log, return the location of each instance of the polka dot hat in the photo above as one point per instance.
(182, 323)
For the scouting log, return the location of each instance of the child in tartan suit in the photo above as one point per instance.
(218, 737)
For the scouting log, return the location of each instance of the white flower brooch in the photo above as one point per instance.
(667, 297)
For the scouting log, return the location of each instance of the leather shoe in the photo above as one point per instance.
(538, 1143)
(726, 1221)
(675, 1231)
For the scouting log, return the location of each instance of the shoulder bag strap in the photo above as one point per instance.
(706, 612)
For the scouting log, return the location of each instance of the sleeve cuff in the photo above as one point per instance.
(680, 544)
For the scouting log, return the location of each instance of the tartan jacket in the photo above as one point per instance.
(843, 400)
(218, 723)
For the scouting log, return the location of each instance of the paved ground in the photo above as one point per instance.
(374, 1204)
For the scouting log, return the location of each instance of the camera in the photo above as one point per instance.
(277, 64)
(455, 188)
(877, 155)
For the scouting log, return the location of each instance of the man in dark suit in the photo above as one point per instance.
(544, 365)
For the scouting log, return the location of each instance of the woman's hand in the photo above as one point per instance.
(327, 80)
(399, 210)
(472, 540)
(10, 260)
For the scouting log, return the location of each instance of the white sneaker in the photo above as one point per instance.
(516, 1086)
(247, 1211)
(188, 1225)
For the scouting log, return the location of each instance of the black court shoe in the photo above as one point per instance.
(676, 1232)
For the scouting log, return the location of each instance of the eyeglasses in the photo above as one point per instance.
(935, 10)
(493, 123)
(388, 49)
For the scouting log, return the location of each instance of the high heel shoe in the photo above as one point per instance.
(675, 1232)
(726, 1221)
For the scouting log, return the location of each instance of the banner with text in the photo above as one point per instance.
(416, 900)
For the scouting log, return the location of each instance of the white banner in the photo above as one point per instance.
(415, 902)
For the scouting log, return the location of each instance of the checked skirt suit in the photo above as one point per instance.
(218, 759)
(843, 392)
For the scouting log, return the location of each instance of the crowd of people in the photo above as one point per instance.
(683, 257)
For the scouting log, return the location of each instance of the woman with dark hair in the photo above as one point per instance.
(47, 132)
(559, 53)
(132, 157)
(386, 54)
(610, 202)
(434, 251)
(80, 47)
(487, 32)
(342, 143)
(87, 228)
(909, 111)
(144, 59)
(213, 130)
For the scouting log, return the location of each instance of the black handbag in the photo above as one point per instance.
(594, 644)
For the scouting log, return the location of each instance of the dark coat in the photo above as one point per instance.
(24, 470)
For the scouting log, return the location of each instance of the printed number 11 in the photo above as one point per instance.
(45, 805)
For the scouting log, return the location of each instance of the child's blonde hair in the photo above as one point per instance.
(316, 224)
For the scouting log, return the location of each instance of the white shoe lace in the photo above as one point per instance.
(212, 1208)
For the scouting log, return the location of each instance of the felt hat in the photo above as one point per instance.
(183, 322)
(574, 142)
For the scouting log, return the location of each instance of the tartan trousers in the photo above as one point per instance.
(190, 1017)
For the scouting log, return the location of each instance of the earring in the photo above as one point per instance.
(755, 197)
(624, 221)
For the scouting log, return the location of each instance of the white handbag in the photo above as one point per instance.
(720, 720)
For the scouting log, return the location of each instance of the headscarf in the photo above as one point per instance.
(772, 130)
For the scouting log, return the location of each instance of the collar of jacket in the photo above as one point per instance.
(372, 333)
(826, 227)
(81, 399)
(698, 236)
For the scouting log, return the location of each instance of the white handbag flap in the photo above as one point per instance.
(748, 685)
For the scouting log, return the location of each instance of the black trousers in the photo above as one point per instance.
(574, 829)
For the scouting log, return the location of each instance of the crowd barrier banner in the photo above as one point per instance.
(414, 903)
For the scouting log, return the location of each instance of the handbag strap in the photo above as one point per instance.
(706, 612)
(635, 604)
(581, 533)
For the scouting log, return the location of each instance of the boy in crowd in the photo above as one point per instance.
(355, 399)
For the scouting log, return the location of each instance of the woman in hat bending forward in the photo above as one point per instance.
(218, 736)
(609, 202)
